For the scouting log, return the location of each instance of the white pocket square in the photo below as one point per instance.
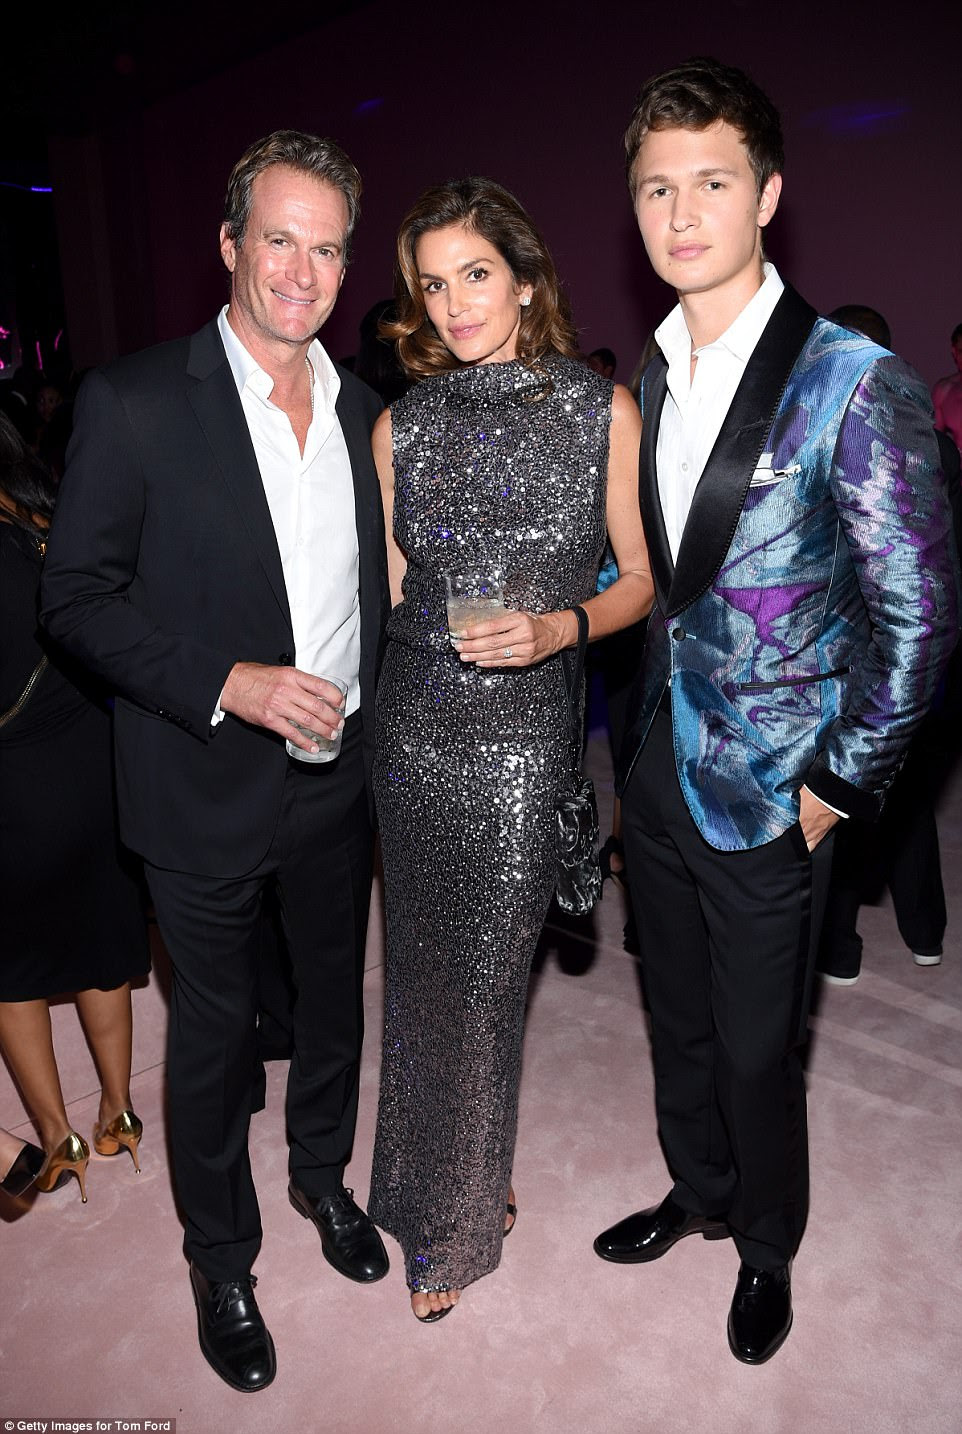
(765, 475)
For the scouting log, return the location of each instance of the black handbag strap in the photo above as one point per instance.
(577, 672)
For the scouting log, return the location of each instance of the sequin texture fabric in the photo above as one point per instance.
(497, 466)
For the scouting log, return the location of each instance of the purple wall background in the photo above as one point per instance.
(537, 96)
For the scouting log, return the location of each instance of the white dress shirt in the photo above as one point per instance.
(695, 408)
(311, 501)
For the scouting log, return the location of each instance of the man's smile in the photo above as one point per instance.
(289, 299)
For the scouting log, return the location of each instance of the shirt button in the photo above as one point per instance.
(679, 634)
(684, 467)
(285, 659)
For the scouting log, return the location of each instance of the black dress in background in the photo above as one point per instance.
(71, 913)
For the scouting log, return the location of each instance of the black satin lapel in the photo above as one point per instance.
(358, 440)
(369, 521)
(217, 404)
(723, 486)
(652, 516)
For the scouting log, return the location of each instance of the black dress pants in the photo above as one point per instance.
(901, 850)
(728, 941)
(319, 865)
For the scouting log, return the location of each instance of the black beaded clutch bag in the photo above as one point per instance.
(578, 879)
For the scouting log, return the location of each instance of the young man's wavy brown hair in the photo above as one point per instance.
(489, 210)
(696, 95)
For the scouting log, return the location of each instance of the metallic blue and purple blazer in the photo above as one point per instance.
(814, 602)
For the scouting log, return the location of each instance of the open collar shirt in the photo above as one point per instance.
(696, 406)
(311, 502)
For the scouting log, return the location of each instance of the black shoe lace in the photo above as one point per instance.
(342, 1204)
(231, 1292)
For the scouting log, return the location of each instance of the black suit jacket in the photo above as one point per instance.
(163, 570)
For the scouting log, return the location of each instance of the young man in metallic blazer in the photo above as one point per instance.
(806, 602)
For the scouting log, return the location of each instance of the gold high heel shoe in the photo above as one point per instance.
(124, 1130)
(69, 1158)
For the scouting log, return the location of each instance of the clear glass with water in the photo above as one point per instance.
(471, 597)
(327, 747)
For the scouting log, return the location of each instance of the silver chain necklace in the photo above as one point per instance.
(310, 381)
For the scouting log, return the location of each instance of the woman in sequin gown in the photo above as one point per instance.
(510, 454)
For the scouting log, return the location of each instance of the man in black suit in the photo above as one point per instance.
(218, 552)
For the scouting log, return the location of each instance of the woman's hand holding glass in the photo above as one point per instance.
(517, 638)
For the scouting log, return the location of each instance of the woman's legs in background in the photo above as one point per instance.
(27, 1043)
(108, 1022)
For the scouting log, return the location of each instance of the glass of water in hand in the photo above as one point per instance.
(474, 596)
(327, 747)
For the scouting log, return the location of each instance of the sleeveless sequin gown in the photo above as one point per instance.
(497, 466)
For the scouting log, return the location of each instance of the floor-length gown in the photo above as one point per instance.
(497, 466)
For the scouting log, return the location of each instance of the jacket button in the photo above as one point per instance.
(285, 659)
(679, 634)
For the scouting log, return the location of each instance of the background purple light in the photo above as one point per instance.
(867, 117)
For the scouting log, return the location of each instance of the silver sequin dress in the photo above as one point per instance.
(495, 466)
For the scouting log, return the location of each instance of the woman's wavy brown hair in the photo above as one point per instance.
(491, 211)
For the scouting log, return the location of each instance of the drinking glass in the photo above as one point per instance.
(328, 747)
(471, 597)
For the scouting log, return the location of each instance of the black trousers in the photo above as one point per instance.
(901, 850)
(319, 866)
(728, 942)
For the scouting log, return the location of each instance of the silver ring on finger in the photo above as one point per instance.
(509, 652)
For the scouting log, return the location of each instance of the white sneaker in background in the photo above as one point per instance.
(931, 959)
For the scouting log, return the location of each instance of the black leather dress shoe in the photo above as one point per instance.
(233, 1336)
(761, 1313)
(651, 1233)
(349, 1239)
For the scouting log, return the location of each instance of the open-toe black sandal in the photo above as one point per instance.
(434, 1316)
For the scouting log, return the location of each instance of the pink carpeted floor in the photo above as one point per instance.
(98, 1321)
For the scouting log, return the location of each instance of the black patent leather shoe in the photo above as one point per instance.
(349, 1240)
(649, 1234)
(233, 1336)
(761, 1313)
(27, 1165)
